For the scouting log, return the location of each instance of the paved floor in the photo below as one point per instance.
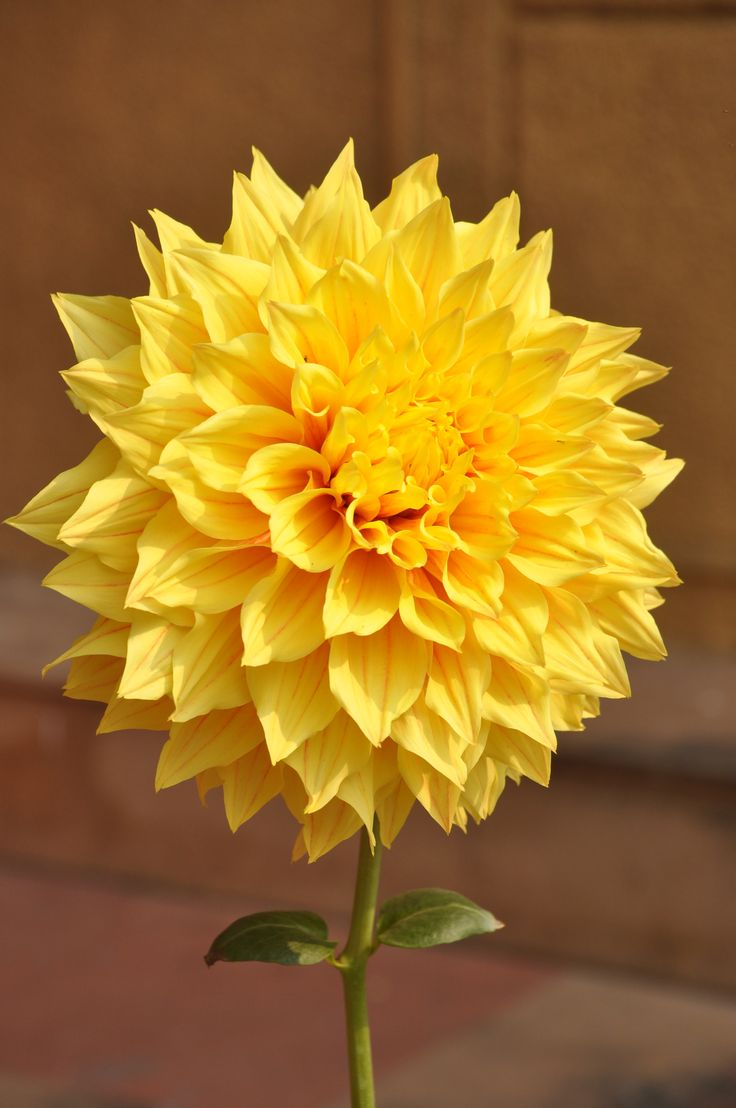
(108, 1004)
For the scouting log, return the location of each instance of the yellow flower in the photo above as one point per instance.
(364, 526)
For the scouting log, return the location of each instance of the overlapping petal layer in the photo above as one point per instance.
(364, 527)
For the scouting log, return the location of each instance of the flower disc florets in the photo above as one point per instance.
(365, 524)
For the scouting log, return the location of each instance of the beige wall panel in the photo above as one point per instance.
(629, 152)
(449, 69)
(126, 105)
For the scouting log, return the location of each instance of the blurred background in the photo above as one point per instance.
(613, 984)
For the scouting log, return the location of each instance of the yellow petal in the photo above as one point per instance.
(49, 509)
(426, 734)
(210, 579)
(378, 677)
(169, 329)
(93, 678)
(469, 292)
(483, 788)
(166, 408)
(411, 192)
(456, 686)
(310, 530)
(281, 198)
(519, 701)
(151, 643)
(520, 280)
(550, 549)
(88, 581)
(103, 386)
(619, 537)
(218, 738)
(358, 793)
(429, 247)
(112, 516)
(323, 830)
(242, 371)
(280, 470)
(293, 700)
(532, 381)
(207, 671)
(438, 795)
(99, 326)
(520, 753)
(281, 618)
(346, 229)
(625, 616)
(517, 633)
(324, 760)
(226, 288)
(302, 333)
(354, 302)
(135, 715)
(495, 237)
(152, 261)
(221, 446)
(363, 594)
(106, 636)
(248, 783)
(426, 614)
(472, 583)
(255, 223)
(221, 515)
(579, 656)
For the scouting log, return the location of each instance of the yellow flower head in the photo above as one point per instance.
(364, 526)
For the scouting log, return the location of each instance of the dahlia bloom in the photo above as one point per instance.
(364, 526)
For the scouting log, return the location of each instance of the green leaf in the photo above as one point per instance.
(428, 917)
(289, 938)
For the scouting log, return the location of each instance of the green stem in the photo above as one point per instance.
(352, 964)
